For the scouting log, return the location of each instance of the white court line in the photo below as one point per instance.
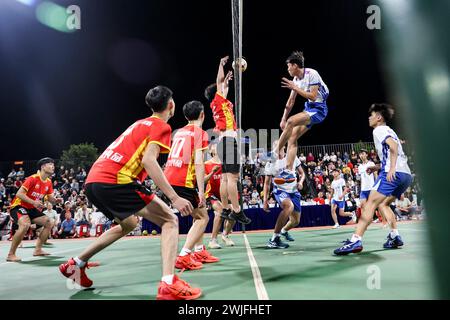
(259, 285)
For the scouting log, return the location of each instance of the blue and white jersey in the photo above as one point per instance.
(312, 78)
(338, 187)
(274, 169)
(367, 180)
(380, 134)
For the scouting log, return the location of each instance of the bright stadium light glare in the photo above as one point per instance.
(27, 2)
(53, 16)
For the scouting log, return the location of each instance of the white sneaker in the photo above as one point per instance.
(228, 241)
(213, 244)
(336, 226)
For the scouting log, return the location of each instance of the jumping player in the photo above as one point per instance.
(27, 206)
(227, 147)
(288, 197)
(185, 170)
(393, 180)
(213, 171)
(114, 186)
(309, 85)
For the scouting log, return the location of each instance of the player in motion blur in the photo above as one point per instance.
(338, 192)
(393, 180)
(308, 84)
(114, 186)
(227, 147)
(27, 206)
(185, 170)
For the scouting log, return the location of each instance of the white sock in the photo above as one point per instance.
(79, 262)
(168, 279)
(355, 238)
(394, 233)
(274, 236)
(185, 252)
(199, 248)
(283, 230)
(336, 224)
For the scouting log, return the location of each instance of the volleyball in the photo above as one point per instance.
(154, 232)
(241, 63)
(145, 232)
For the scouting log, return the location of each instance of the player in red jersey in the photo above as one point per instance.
(227, 147)
(213, 171)
(185, 171)
(114, 186)
(27, 205)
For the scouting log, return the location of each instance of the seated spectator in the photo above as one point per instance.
(346, 157)
(326, 158)
(310, 160)
(403, 207)
(354, 158)
(67, 227)
(272, 202)
(333, 158)
(12, 175)
(53, 216)
(83, 216)
(75, 185)
(319, 199)
(67, 209)
(20, 174)
(338, 155)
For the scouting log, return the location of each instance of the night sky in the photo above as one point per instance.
(58, 89)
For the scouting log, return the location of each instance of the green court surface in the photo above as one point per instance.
(130, 269)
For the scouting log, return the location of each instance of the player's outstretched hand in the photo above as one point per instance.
(286, 83)
(183, 206)
(224, 60)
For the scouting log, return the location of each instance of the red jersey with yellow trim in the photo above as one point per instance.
(121, 162)
(180, 166)
(213, 187)
(223, 114)
(36, 189)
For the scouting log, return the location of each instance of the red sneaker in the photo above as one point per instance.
(178, 290)
(187, 262)
(72, 271)
(204, 256)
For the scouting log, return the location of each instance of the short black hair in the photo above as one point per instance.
(386, 110)
(44, 161)
(297, 58)
(363, 150)
(192, 110)
(158, 97)
(210, 92)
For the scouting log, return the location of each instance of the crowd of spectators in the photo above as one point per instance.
(76, 211)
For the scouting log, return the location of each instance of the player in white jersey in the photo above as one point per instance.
(338, 192)
(393, 180)
(368, 173)
(288, 197)
(309, 85)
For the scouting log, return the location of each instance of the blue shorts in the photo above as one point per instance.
(317, 111)
(364, 195)
(340, 204)
(394, 188)
(295, 197)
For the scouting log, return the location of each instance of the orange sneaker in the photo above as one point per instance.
(178, 290)
(187, 262)
(204, 256)
(72, 271)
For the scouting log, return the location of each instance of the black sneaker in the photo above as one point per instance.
(277, 244)
(226, 214)
(240, 217)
